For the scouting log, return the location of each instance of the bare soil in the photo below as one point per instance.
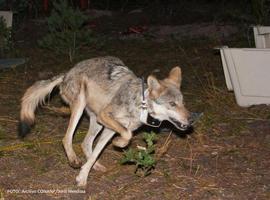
(226, 156)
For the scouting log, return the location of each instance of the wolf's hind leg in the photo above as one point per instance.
(77, 108)
(87, 144)
(105, 137)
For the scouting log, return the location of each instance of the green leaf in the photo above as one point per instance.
(149, 138)
(129, 156)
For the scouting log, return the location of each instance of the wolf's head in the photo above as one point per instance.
(166, 100)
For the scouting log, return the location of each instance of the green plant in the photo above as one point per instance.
(5, 37)
(26, 8)
(143, 158)
(261, 10)
(66, 31)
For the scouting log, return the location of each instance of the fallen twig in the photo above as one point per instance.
(15, 147)
(5, 119)
(62, 110)
(162, 150)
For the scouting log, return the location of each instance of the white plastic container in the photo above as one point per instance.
(247, 73)
(262, 36)
(8, 17)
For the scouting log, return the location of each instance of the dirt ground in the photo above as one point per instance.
(226, 156)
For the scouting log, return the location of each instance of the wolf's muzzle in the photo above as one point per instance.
(179, 125)
(194, 117)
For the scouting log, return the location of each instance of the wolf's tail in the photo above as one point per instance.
(34, 96)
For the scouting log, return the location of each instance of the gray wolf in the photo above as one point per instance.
(111, 95)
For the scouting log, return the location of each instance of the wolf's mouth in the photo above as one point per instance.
(179, 125)
(194, 117)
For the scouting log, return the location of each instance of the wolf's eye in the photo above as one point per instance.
(172, 104)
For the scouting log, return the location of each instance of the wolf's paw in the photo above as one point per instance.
(99, 167)
(120, 142)
(76, 163)
(81, 181)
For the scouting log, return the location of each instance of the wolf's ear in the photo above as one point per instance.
(154, 86)
(153, 83)
(175, 76)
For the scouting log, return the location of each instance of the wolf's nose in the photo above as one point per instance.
(184, 126)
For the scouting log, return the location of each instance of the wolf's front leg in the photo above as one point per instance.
(105, 137)
(107, 119)
(122, 141)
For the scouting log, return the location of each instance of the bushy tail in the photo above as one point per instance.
(34, 96)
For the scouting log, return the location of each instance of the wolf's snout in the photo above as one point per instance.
(180, 125)
(184, 126)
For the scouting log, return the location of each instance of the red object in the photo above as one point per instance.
(84, 4)
(46, 5)
(135, 30)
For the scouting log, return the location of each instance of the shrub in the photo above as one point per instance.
(260, 10)
(66, 31)
(143, 158)
(5, 37)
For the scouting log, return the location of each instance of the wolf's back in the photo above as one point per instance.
(34, 96)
